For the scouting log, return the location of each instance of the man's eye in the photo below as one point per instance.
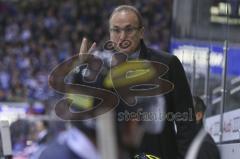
(116, 30)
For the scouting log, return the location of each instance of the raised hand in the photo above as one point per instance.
(84, 50)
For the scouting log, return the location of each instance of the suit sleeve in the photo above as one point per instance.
(182, 105)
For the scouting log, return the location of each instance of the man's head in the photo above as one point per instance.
(199, 108)
(126, 24)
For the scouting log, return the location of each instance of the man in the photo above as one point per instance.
(208, 148)
(126, 25)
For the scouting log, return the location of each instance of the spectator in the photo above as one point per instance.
(77, 142)
(208, 149)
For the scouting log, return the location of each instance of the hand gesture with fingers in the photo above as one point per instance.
(84, 50)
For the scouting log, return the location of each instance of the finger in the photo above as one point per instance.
(83, 48)
(92, 48)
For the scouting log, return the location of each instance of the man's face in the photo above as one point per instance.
(124, 25)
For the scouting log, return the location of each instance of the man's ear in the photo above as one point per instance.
(199, 116)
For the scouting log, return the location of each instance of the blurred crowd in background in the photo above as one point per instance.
(37, 35)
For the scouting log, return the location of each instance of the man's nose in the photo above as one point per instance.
(123, 35)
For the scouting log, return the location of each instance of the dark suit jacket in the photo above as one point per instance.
(168, 144)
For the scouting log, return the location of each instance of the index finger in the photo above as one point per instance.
(83, 47)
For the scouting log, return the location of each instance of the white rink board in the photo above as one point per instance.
(231, 126)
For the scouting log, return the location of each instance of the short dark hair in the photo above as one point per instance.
(128, 8)
(199, 105)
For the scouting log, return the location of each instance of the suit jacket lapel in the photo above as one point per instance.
(143, 51)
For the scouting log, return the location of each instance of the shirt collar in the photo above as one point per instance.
(134, 55)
